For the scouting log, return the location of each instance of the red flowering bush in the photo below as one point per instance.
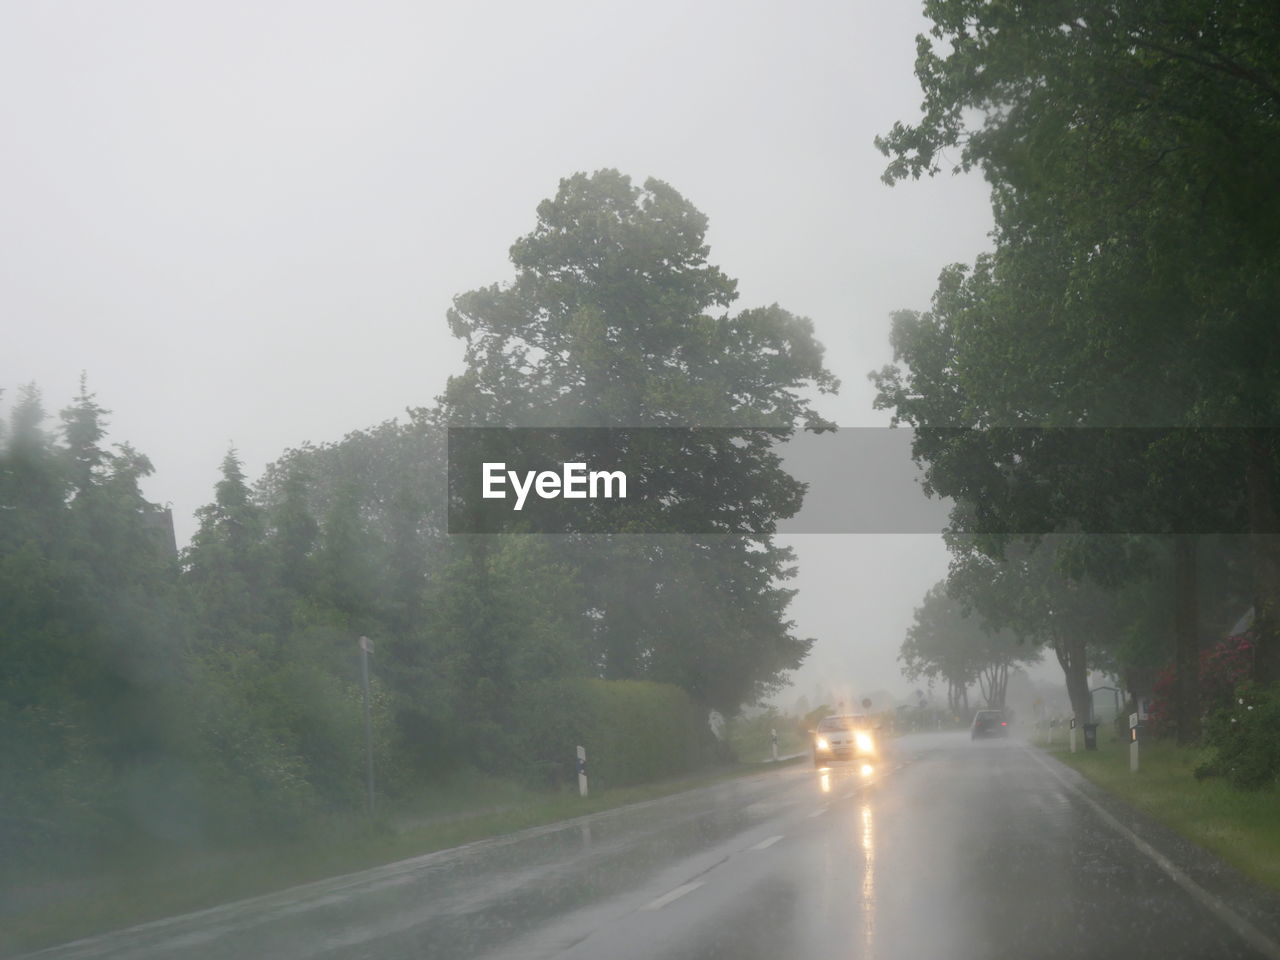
(1223, 667)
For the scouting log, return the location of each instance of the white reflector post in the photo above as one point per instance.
(582, 771)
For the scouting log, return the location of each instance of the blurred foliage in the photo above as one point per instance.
(1131, 150)
(632, 731)
(946, 641)
(1242, 739)
(213, 694)
(616, 318)
(751, 737)
(1223, 667)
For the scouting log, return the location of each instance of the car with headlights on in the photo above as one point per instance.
(844, 737)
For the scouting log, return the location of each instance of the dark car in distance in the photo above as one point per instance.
(989, 723)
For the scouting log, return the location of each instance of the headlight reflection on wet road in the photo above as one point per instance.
(854, 783)
(868, 881)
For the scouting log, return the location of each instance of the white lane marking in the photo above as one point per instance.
(1242, 927)
(767, 842)
(675, 894)
(195, 939)
(817, 813)
(850, 795)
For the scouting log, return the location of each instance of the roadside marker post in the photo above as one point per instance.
(1133, 743)
(774, 734)
(1073, 734)
(582, 771)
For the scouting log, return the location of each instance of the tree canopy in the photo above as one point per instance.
(1131, 151)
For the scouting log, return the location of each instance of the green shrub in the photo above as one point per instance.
(633, 731)
(751, 739)
(1244, 739)
(51, 779)
(278, 746)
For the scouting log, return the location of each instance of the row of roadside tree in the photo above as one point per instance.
(1132, 151)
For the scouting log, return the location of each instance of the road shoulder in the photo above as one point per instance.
(1213, 881)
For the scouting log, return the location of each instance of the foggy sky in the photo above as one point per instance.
(246, 221)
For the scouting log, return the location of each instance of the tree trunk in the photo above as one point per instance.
(1070, 652)
(1264, 545)
(1186, 631)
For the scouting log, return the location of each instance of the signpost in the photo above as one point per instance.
(582, 771)
(1133, 743)
(1073, 734)
(366, 648)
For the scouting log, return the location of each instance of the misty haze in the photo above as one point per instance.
(717, 480)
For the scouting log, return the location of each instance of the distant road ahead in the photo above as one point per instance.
(948, 849)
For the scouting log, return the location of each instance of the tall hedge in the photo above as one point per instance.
(633, 730)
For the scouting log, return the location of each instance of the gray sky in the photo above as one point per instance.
(245, 221)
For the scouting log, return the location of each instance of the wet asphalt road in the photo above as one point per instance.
(948, 849)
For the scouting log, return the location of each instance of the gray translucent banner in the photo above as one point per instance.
(860, 480)
(854, 480)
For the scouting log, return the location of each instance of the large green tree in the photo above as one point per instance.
(92, 626)
(1034, 589)
(1132, 150)
(616, 318)
(1015, 420)
(953, 642)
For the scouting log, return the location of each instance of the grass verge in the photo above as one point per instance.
(154, 882)
(1243, 828)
